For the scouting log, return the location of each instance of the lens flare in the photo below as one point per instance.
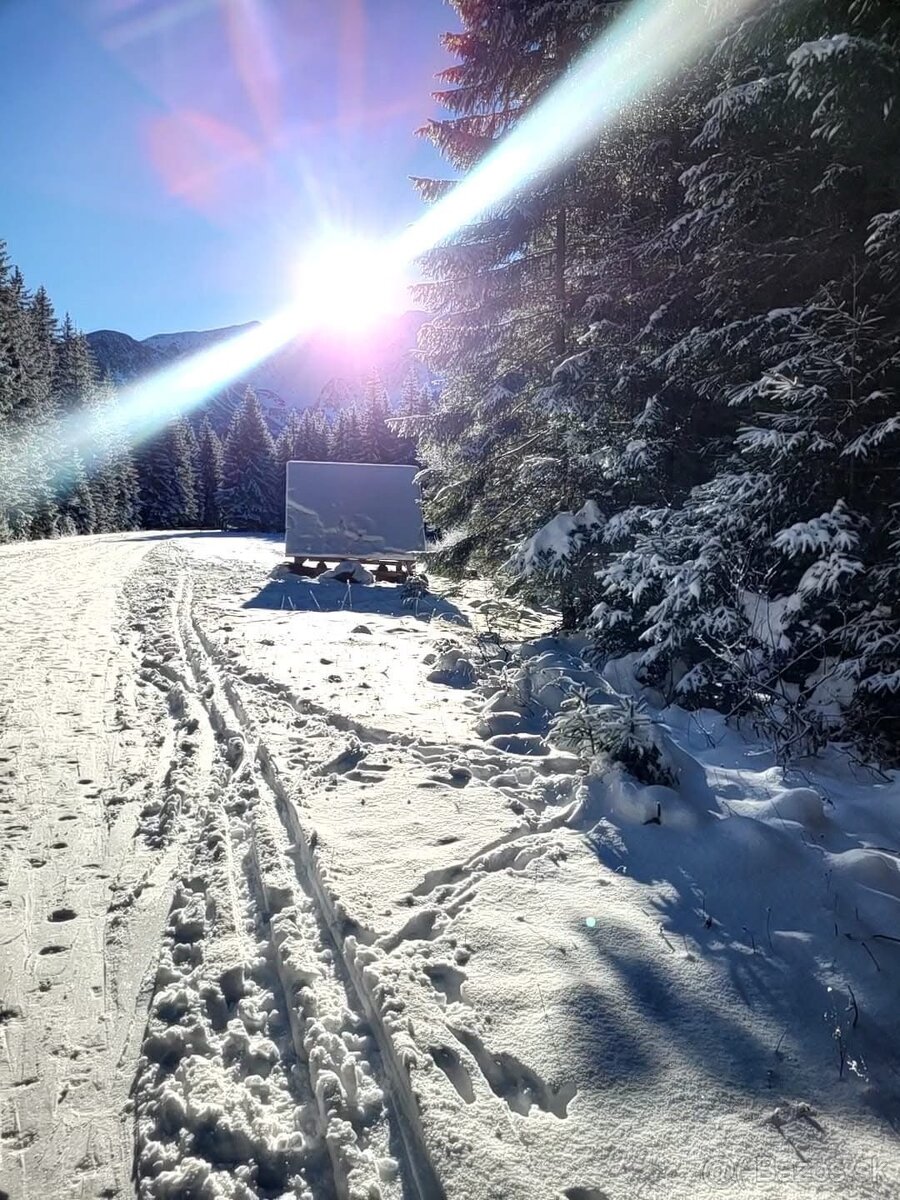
(351, 284)
(649, 43)
(346, 283)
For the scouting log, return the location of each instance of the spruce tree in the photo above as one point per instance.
(314, 436)
(11, 364)
(503, 290)
(74, 497)
(682, 431)
(251, 480)
(412, 413)
(354, 436)
(380, 443)
(62, 468)
(167, 490)
(290, 446)
(45, 331)
(339, 442)
(209, 477)
(74, 369)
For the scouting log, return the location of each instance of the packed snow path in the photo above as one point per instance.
(72, 777)
(291, 904)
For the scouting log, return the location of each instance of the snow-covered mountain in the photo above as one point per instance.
(323, 370)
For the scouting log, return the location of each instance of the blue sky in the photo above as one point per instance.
(163, 162)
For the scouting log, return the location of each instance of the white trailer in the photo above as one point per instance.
(361, 512)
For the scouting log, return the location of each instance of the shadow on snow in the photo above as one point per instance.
(295, 593)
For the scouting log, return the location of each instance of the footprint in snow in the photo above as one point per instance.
(452, 1066)
(449, 980)
(62, 914)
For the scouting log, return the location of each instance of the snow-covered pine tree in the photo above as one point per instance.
(379, 442)
(289, 441)
(339, 443)
(127, 484)
(766, 588)
(314, 435)
(166, 473)
(355, 435)
(75, 498)
(209, 477)
(99, 453)
(193, 442)
(705, 467)
(290, 445)
(501, 291)
(250, 478)
(14, 514)
(411, 414)
(32, 426)
(53, 438)
(45, 329)
(74, 368)
(112, 469)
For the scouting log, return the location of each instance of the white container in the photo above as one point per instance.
(369, 512)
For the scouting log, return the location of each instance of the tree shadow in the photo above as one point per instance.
(608, 1050)
(217, 535)
(288, 592)
(799, 1006)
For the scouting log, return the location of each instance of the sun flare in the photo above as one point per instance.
(351, 284)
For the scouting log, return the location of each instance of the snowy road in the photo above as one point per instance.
(69, 978)
(292, 905)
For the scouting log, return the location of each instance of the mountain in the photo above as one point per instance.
(323, 370)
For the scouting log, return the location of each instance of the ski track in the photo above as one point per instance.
(256, 968)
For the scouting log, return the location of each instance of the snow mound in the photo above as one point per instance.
(349, 572)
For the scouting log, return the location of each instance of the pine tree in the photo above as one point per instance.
(251, 482)
(74, 369)
(682, 430)
(167, 489)
(290, 446)
(503, 290)
(74, 497)
(11, 365)
(339, 443)
(413, 412)
(45, 331)
(128, 493)
(314, 436)
(380, 443)
(62, 468)
(29, 428)
(97, 453)
(209, 477)
(355, 436)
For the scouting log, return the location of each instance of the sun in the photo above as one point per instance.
(350, 284)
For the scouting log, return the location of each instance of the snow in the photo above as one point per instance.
(300, 898)
(558, 540)
(769, 620)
